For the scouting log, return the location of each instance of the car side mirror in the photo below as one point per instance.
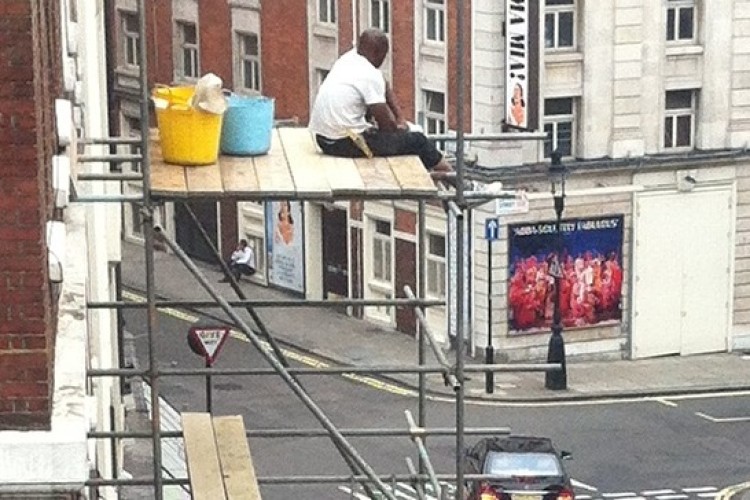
(566, 455)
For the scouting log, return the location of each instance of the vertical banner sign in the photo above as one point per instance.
(521, 63)
(285, 245)
(591, 284)
(452, 262)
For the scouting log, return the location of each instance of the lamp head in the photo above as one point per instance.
(557, 172)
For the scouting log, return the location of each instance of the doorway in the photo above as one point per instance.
(188, 236)
(681, 272)
(335, 254)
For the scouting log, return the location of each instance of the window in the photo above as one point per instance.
(130, 39)
(435, 281)
(381, 251)
(559, 121)
(327, 11)
(559, 24)
(132, 128)
(249, 61)
(380, 16)
(679, 120)
(379, 285)
(434, 112)
(434, 20)
(257, 243)
(187, 61)
(680, 20)
(320, 76)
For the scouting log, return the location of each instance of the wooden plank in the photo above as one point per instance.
(238, 175)
(166, 179)
(204, 179)
(237, 467)
(302, 158)
(274, 177)
(342, 174)
(378, 177)
(202, 456)
(412, 175)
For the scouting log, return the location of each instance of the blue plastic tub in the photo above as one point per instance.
(247, 125)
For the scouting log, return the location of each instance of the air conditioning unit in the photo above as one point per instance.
(72, 37)
(64, 121)
(70, 74)
(56, 250)
(61, 180)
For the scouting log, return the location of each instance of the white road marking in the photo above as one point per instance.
(707, 495)
(619, 495)
(718, 420)
(190, 318)
(666, 402)
(672, 497)
(700, 489)
(581, 485)
(656, 492)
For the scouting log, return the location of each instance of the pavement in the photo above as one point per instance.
(343, 340)
(338, 339)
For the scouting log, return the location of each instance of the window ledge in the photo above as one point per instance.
(325, 30)
(684, 50)
(557, 56)
(245, 4)
(380, 286)
(434, 50)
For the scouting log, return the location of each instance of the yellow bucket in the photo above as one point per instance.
(188, 136)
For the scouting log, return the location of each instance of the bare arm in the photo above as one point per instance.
(384, 117)
(390, 99)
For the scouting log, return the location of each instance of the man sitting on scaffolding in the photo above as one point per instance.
(355, 90)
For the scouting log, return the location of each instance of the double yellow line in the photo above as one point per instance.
(304, 359)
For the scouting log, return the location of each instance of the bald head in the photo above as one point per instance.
(373, 46)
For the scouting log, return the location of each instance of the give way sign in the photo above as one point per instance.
(208, 340)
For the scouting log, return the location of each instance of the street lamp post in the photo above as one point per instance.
(558, 379)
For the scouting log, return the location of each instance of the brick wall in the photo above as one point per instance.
(402, 50)
(454, 59)
(216, 39)
(159, 29)
(29, 83)
(285, 71)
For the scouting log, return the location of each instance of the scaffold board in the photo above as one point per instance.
(293, 168)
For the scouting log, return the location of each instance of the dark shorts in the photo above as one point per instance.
(385, 144)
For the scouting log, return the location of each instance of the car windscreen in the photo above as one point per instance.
(504, 464)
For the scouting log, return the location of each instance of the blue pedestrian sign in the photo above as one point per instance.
(491, 229)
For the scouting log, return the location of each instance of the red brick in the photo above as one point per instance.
(406, 221)
(15, 8)
(403, 58)
(285, 78)
(24, 390)
(454, 59)
(216, 39)
(23, 234)
(18, 326)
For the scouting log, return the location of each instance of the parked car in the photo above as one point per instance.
(521, 468)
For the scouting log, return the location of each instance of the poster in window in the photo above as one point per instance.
(591, 273)
(285, 245)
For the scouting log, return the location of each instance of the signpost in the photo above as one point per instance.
(207, 341)
(491, 233)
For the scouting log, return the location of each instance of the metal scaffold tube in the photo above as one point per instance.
(259, 322)
(298, 390)
(148, 237)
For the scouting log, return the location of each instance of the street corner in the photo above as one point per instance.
(735, 492)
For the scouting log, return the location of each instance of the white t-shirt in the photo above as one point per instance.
(352, 84)
(244, 256)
